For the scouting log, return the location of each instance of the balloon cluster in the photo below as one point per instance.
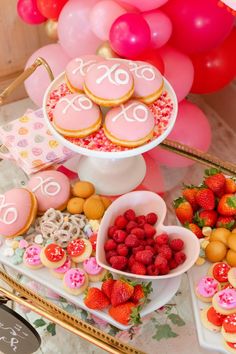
(191, 42)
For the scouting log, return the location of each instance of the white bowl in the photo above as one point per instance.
(144, 202)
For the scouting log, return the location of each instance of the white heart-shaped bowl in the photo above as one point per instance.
(144, 202)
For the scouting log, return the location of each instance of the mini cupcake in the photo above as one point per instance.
(79, 250)
(224, 301)
(94, 271)
(60, 271)
(75, 281)
(53, 256)
(31, 258)
(211, 319)
(206, 288)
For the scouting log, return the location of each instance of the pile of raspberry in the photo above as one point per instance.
(133, 246)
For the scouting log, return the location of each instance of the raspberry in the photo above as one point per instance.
(138, 232)
(132, 241)
(162, 239)
(138, 268)
(152, 270)
(156, 248)
(119, 236)
(111, 230)
(164, 270)
(110, 245)
(130, 214)
(177, 244)
(121, 222)
(160, 261)
(173, 264)
(165, 252)
(180, 257)
(119, 262)
(144, 257)
(131, 261)
(151, 218)
(122, 250)
(136, 249)
(143, 242)
(110, 254)
(150, 242)
(130, 226)
(141, 220)
(150, 248)
(149, 230)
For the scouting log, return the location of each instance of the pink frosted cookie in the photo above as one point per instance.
(18, 208)
(31, 258)
(75, 115)
(94, 271)
(129, 125)
(75, 281)
(76, 70)
(148, 81)
(224, 301)
(206, 288)
(60, 271)
(51, 189)
(109, 83)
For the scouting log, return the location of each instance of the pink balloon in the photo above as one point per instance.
(130, 35)
(191, 128)
(29, 13)
(198, 25)
(100, 21)
(145, 5)
(38, 82)
(74, 32)
(160, 27)
(179, 70)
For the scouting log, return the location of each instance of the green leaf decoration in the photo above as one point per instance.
(113, 331)
(164, 331)
(39, 323)
(176, 319)
(51, 328)
(69, 308)
(84, 315)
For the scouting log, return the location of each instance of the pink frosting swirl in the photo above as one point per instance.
(207, 287)
(32, 255)
(74, 278)
(227, 299)
(91, 267)
(64, 268)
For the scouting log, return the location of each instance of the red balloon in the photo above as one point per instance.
(51, 8)
(198, 25)
(152, 57)
(29, 12)
(215, 69)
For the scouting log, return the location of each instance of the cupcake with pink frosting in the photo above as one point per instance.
(31, 258)
(75, 281)
(206, 288)
(95, 271)
(61, 271)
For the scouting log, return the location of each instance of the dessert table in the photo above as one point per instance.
(170, 328)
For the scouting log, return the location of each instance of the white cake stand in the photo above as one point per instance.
(113, 173)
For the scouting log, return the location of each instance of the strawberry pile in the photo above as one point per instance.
(134, 247)
(123, 298)
(212, 204)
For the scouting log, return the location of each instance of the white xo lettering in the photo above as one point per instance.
(46, 184)
(10, 215)
(139, 113)
(142, 71)
(118, 73)
(78, 103)
(83, 65)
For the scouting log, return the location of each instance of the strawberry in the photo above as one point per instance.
(227, 205)
(206, 218)
(107, 285)
(183, 210)
(95, 299)
(215, 180)
(125, 313)
(189, 193)
(230, 186)
(195, 229)
(225, 221)
(141, 292)
(121, 292)
(205, 198)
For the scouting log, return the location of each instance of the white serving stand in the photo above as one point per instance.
(113, 173)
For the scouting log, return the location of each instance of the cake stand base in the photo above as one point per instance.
(112, 176)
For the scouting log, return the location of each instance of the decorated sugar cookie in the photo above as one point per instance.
(75, 281)
(31, 257)
(18, 208)
(229, 328)
(94, 271)
(76, 70)
(109, 83)
(76, 116)
(129, 125)
(79, 250)
(51, 189)
(53, 256)
(61, 271)
(206, 288)
(224, 301)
